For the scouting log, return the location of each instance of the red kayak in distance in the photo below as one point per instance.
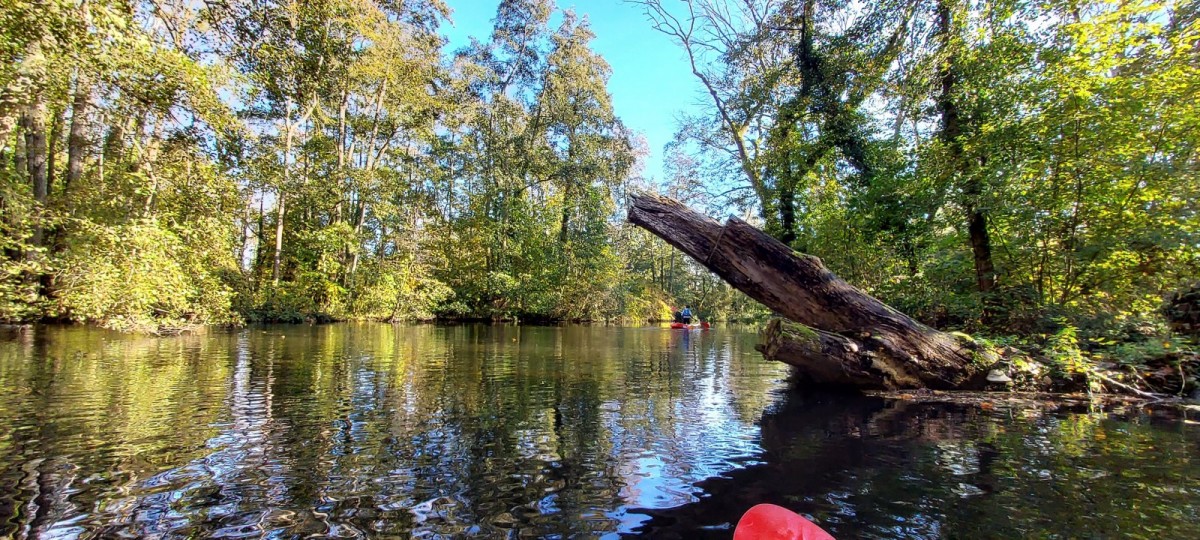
(770, 522)
(681, 326)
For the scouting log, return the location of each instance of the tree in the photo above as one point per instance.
(786, 90)
(919, 148)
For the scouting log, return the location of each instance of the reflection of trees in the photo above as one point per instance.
(88, 411)
(869, 468)
(339, 429)
(374, 428)
(550, 419)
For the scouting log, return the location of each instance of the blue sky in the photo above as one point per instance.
(651, 82)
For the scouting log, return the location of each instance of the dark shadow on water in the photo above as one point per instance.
(796, 461)
(865, 467)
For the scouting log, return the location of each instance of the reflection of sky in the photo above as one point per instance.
(364, 429)
(375, 430)
(705, 437)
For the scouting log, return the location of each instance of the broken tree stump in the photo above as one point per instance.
(845, 337)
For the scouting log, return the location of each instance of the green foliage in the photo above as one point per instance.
(400, 290)
(1064, 352)
(282, 161)
(1136, 353)
(138, 276)
(1017, 167)
(1018, 163)
(19, 293)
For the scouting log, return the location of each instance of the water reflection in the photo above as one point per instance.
(874, 468)
(350, 430)
(376, 430)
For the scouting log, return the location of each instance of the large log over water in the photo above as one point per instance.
(845, 336)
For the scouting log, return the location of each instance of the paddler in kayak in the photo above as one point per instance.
(686, 315)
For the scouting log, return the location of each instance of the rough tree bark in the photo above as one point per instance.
(77, 140)
(34, 124)
(951, 134)
(845, 337)
(281, 198)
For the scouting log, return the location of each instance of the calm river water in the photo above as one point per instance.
(367, 430)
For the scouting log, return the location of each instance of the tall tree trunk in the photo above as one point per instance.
(373, 150)
(280, 212)
(951, 136)
(281, 200)
(35, 148)
(341, 154)
(74, 163)
(261, 233)
(381, 245)
(359, 220)
(788, 178)
(114, 142)
(56, 128)
(981, 249)
(568, 203)
(245, 240)
(77, 139)
(787, 209)
(147, 161)
(27, 80)
(20, 155)
(10, 213)
(564, 224)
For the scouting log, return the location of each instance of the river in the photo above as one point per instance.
(372, 430)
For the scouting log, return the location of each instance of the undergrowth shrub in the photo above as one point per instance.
(140, 276)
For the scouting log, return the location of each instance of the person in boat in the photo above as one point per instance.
(678, 317)
(686, 314)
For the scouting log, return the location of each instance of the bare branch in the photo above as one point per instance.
(666, 22)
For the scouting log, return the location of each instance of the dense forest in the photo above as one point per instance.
(1012, 167)
(173, 162)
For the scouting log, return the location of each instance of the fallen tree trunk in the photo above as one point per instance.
(845, 336)
(831, 359)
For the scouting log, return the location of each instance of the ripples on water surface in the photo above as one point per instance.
(425, 431)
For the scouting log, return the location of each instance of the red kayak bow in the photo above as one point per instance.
(770, 522)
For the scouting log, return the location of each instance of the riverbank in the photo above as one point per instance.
(1152, 369)
(1145, 367)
